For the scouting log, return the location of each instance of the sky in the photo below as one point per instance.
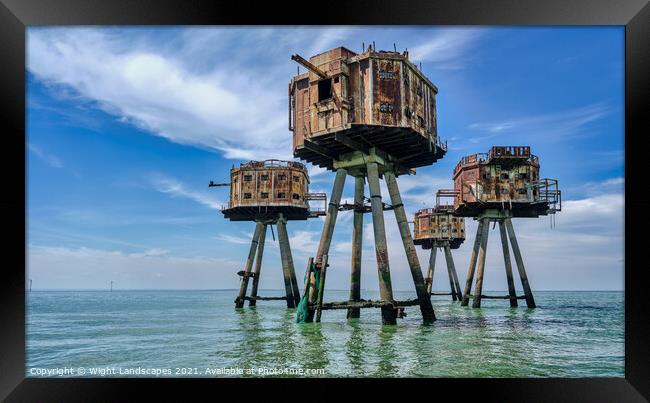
(126, 127)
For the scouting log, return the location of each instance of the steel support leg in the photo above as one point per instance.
(453, 276)
(472, 264)
(388, 314)
(287, 262)
(432, 267)
(506, 259)
(357, 239)
(428, 316)
(239, 302)
(321, 288)
(530, 301)
(258, 266)
(426, 308)
(481, 264)
(326, 236)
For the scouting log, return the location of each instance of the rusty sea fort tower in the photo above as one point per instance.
(495, 187)
(367, 115)
(372, 115)
(437, 228)
(269, 192)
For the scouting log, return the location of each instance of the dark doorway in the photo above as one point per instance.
(324, 89)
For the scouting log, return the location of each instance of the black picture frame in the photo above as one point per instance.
(16, 15)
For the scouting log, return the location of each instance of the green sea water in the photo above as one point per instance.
(201, 334)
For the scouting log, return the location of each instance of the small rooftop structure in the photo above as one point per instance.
(262, 190)
(349, 102)
(435, 226)
(504, 178)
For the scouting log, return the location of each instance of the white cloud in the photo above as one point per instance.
(612, 185)
(63, 267)
(554, 126)
(446, 48)
(240, 240)
(51, 159)
(204, 87)
(225, 109)
(305, 242)
(176, 188)
(150, 253)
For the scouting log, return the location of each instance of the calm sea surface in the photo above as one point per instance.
(570, 334)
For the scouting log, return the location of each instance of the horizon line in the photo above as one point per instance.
(277, 289)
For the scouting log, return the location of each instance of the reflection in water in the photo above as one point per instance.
(570, 334)
(387, 353)
(356, 348)
(314, 346)
(285, 345)
(249, 347)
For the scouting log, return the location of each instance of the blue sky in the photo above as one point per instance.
(126, 126)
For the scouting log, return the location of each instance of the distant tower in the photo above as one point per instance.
(366, 115)
(495, 187)
(30, 285)
(111, 286)
(438, 228)
(270, 192)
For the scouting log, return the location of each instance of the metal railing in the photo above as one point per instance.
(522, 152)
(263, 204)
(544, 190)
(548, 192)
(446, 194)
(318, 197)
(273, 163)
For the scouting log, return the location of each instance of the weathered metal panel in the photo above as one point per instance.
(505, 175)
(364, 99)
(387, 94)
(371, 88)
(433, 224)
(301, 111)
(269, 183)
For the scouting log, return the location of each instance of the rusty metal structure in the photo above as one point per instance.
(437, 228)
(504, 175)
(270, 192)
(349, 102)
(494, 187)
(367, 115)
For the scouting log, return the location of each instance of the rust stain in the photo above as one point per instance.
(373, 87)
(269, 183)
(505, 175)
(438, 224)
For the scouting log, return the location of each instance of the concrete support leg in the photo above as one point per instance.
(239, 302)
(530, 301)
(472, 264)
(326, 236)
(294, 280)
(453, 276)
(321, 288)
(506, 259)
(287, 262)
(428, 315)
(478, 289)
(357, 239)
(388, 314)
(432, 267)
(454, 272)
(258, 266)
